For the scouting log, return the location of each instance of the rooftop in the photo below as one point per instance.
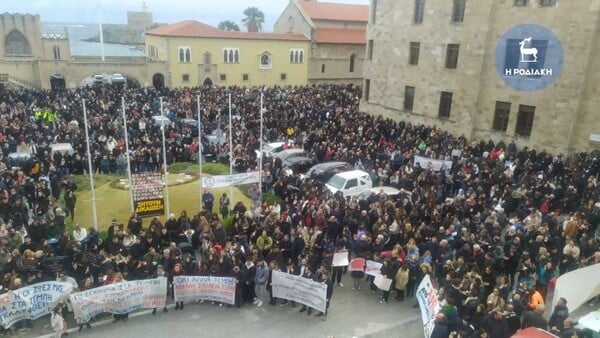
(335, 11)
(341, 35)
(196, 29)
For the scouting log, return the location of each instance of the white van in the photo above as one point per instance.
(350, 183)
(63, 148)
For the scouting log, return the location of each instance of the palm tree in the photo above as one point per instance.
(229, 26)
(254, 19)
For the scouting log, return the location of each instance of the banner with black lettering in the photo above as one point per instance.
(119, 298)
(431, 163)
(299, 289)
(215, 289)
(32, 302)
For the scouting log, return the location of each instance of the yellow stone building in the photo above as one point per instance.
(199, 54)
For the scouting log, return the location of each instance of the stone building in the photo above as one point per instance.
(34, 55)
(521, 70)
(337, 37)
(199, 54)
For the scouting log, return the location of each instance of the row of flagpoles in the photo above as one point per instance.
(164, 155)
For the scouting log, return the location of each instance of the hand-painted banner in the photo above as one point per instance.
(119, 298)
(32, 302)
(216, 289)
(431, 163)
(382, 283)
(428, 301)
(340, 259)
(302, 290)
(357, 264)
(220, 181)
(373, 268)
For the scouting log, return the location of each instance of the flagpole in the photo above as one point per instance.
(127, 154)
(199, 149)
(260, 159)
(230, 152)
(165, 173)
(90, 169)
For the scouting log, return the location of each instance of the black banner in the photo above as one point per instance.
(150, 207)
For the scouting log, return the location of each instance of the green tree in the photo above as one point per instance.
(254, 19)
(229, 26)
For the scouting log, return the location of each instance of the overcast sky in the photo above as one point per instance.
(165, 11)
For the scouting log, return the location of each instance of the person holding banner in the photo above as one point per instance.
(326, 280)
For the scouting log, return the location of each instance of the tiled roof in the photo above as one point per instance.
(195, 29)
(334, 11)
(340, 35)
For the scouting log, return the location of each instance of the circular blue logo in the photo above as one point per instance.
(529, 57)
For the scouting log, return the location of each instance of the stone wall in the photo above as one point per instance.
(566, 110)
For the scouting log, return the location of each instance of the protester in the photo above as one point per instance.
(57, 322)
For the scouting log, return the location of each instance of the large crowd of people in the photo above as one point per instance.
(493, 231)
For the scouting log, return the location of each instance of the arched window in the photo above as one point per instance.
(323, 68)
(225, 58)
(185, 54)
(301, 58)
(56, 51)
(237, 56)
(351, 68)
(188, 55)
(181, 55)
(297, 57)
(16, 44)
(231, 55)
(292, 53)
(265, 61)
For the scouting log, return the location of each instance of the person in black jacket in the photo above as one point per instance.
(325, 279)
(440, 329)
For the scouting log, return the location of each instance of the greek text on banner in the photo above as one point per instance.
(32, 302)
(216, 289)
(220, 181)
(119, 298)
(299, 289)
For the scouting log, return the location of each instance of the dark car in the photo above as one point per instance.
(324, 171)
(298, 164)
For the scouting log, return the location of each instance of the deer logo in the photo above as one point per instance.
(527, 51)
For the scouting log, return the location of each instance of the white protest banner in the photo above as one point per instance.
(436, 165)
(220, 181)
(340, 259)
(428, 302)
(574, 295)
(299, 289)
(373, 268)
(119, 298)
(216, 289)
(32, 302)
(382, 283)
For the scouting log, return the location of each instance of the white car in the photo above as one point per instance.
(350, 183)
(117, 78)
(271, 148)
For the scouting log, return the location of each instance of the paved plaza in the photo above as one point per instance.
(352, 314)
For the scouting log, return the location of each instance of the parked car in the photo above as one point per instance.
(98, 79)
(324, 171)
(350, 183)
(117, 78)
(272, 148)
(294, 165)
(289, 153)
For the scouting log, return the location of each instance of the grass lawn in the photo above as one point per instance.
(114, 203)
